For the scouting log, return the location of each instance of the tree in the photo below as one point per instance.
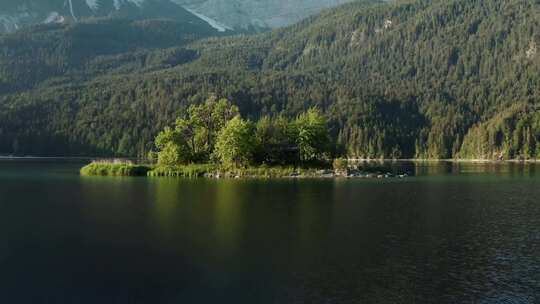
(236, 143)
(125, 146)
(172, 148)
(276, 141)
(171, 155)
(204, 122)
(312, 135)
(192, 138)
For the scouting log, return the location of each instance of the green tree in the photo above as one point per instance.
(125, 146)
(275, 139)
(172, 148)
(171, 155)
(236, 143)
(204, 122)
(192, 138)
(312, 135)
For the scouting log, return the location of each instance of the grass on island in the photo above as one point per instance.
(114, 169)
(195, 170)
(209, 170)
(190, 171)
(272, 172)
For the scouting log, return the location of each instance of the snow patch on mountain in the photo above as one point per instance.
(138, 3)
(8, 23)
(12, 22)
(213, 23)
(262, 14)
(72, 11)
(54, 17)
(118, 3)
(93, 4)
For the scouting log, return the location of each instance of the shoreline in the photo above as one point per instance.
(372, 160)
(351, 160)
(445, 160)
(217, 172)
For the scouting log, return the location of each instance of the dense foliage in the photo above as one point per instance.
(429, 79)
(215, 132)
(512, 134)
(113, 169)
(194, 137)
(236, 143)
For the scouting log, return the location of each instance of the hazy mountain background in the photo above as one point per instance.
(259, 14)
(415, 78)
(222, 14)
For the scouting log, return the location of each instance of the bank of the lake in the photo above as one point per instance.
(100, 168)
(348, 168)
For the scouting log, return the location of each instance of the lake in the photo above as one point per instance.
(450, 233)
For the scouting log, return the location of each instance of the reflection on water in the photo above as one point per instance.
(230, 198)
(452, 233)
(434, 168)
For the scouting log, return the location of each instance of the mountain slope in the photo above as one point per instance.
(223, 15)
(85, 49)
(16, 14)
(409, 79)
(261, 14)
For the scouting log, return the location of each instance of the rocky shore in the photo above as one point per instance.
(214, 172)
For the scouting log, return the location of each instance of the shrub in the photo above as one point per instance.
(236, 143)
(340, 164)
(112, 169)
(189, 171)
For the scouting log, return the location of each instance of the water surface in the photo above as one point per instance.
(452, 233)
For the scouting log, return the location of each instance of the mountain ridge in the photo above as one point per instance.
(239, 15)
(31, 12)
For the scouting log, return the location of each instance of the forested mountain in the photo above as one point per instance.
(431, 79)
(87, 49)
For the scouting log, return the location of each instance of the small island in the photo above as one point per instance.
(212, 140)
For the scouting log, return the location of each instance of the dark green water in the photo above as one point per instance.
(450, 234)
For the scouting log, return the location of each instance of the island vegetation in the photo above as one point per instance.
(213, 139)
(114, 168)
(214, 131)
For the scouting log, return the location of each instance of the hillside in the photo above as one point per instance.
(240, 15)
(260, 14)
(407, 79)
(19, 14)
(91, 48)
